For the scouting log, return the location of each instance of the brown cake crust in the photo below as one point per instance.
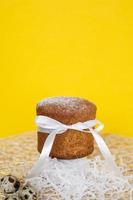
(68, 110)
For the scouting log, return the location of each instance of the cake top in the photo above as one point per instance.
(67, 109)
(71, 103)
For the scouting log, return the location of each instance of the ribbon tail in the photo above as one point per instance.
(105, 152)
(37, 168)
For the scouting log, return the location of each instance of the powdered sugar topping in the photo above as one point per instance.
(69, 103)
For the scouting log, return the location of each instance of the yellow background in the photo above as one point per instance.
(77, 48)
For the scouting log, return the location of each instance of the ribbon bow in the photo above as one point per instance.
(53, 127)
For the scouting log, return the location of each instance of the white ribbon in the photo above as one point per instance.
(53, 127)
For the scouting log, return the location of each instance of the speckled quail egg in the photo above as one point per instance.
(28, 192)
(9, 184)
(12, 197)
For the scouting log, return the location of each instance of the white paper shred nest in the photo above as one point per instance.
(81, 179)
(19, 153)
